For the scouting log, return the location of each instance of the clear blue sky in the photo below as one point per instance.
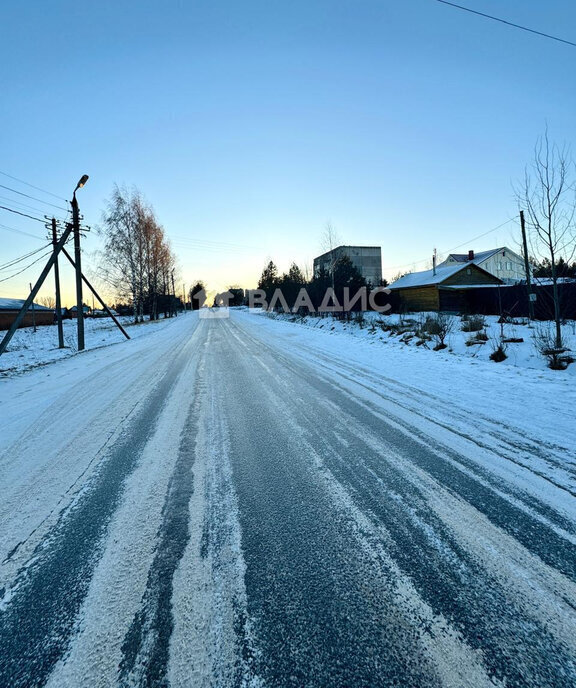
(252, 123)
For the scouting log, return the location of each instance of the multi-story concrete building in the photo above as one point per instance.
(367, 259)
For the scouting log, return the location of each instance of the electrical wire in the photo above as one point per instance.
(469, 241)
(11, 210)
(217, 249)
(207, 242)
(19, 231)
(512, 219)
(25, 206)
(5, 174)
(11, 263)
(508, 23)
(21, 193)
(5, 279)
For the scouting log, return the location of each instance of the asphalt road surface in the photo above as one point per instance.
(213, 505)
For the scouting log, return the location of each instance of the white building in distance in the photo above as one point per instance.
(501, 262)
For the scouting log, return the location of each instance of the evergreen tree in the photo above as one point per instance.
(196, 289)
(269, 279)
(291, 283)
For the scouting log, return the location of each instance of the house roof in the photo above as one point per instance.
(479, 256)
(427, 278)
(16, 305)
(340, 249)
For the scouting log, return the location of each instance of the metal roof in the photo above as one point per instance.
(427, 278)
(16, 305)
(479, 257)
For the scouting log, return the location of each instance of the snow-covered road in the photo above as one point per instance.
(241, 501)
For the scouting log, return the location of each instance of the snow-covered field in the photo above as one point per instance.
(403, 335)
(29, 349)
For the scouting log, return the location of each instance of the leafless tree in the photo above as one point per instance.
(330, 238)
(548, 194)
(137, 262)
(48, 301)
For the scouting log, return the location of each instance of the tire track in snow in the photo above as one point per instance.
(40, 613)
(514, 511)
(325, 610)
(212, 643)
(145, 648)
(43, 470)
(523, 643)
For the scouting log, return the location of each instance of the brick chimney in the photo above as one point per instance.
(471, 255)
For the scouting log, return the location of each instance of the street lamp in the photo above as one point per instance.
(83, 179)
(77, 260)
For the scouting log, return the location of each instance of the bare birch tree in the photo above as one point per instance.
(548, 194)
(136, 260)
(330, 240)
(330, 237)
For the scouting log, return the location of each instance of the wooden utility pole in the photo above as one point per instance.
(77, 260)
(16, 324)
(174, 295)
(33, 312)
(57, 285)
(527, 267)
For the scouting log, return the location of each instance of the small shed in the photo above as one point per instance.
(73, 312)
(9, 309)
(443, 288)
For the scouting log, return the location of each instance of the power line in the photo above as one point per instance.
(508, 23)
(21, 193)
(480, 235)
(208, 242)
(11, 263)
(5, 279)
(11, 210)
(469, 241)
(25, 206)
(217, 249)
(19, 231)
(32, 186)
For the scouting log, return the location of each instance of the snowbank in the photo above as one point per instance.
(400, 332)
(29, 349)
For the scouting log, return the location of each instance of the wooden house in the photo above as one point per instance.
(443, 288)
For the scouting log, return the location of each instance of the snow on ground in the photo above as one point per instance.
(299, 456)
(29, 349)
(519, 354)
(526, 413)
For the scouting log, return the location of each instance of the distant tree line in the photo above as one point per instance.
(342, 275)
(137, 262)
(563, 269)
